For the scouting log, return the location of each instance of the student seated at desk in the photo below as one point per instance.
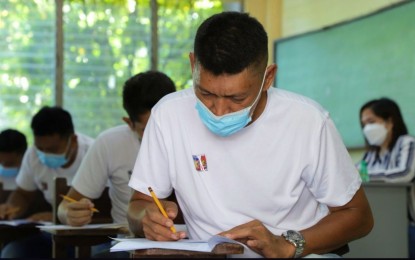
(246, 160)
(57, 151)
(13, 145)
(390, 150)
(112, 156)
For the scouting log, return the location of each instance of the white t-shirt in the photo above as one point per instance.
(34, 175)
(109, 161)
(9, 183)
(283, 169)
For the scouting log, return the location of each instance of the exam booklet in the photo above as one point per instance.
(127, 244)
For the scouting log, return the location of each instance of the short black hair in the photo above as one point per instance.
(143, 90)
(386, 109)
(52, 120)
(229, 42)
(12, 140)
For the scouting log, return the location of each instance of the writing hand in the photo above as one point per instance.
(8, 211)
(158, 227)
(79, 213)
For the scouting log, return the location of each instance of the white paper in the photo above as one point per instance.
(17, 222)
(127, 244)
(90, 226)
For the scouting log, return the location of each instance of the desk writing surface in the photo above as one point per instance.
(389, 236)
(82, 238)
(220, 251)
(381, 184)
(93, 229)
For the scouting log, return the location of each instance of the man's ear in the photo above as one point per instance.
(269, 79)
(128, 121)
(192, 60)
(74, 138)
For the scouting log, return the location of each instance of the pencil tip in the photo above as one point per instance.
(150, 189)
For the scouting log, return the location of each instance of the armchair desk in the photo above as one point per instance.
(82, 240)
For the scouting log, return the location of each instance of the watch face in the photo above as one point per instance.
(297, 240)
(294, 235)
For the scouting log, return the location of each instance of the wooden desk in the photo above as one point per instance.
(81, 239)
(220, 251)
(389, 237)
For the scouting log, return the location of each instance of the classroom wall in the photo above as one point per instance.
(300, 16)
(269, 13)
(285, 18)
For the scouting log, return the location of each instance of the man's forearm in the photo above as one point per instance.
(135, 216)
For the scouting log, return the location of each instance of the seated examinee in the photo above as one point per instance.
(57, 152)
(390, 150)
(246, 160)
(13, 145)
(111, 158)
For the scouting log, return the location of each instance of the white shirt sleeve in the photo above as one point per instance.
(26, 179)
(92, 176)
(334, 179)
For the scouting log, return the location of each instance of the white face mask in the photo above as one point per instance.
(375, 133)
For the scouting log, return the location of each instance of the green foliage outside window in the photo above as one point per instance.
(105, 43)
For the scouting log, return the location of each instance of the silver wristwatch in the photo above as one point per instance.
(295, 238)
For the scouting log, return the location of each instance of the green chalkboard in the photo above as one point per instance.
(347, 64)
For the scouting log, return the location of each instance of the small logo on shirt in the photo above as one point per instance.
(200, 162)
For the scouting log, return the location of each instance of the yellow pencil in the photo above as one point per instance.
(173, 229)
(72, 200)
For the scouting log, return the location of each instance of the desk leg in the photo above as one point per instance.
(82, 252)
(58, 249)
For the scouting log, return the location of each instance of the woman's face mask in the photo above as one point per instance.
(375, 133)
(230, 123)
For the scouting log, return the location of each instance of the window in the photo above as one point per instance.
(104, 43)
(27, 67)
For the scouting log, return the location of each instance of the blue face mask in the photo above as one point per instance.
(8, 172)
(230, 123)
(53, 161)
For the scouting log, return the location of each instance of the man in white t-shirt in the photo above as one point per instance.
(111, 158)
(13, 145)
(247, 161)
(57, 152)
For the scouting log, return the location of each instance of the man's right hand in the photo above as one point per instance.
(8, 211)
(158, 227)
(145, 218)
(79, 213)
